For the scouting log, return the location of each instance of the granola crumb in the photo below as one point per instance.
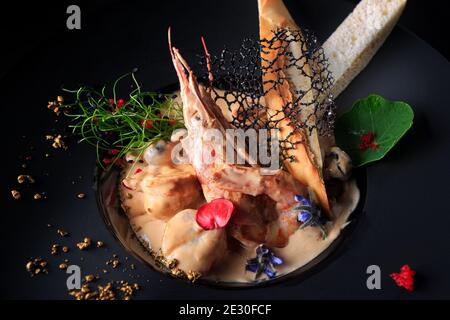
(62, 232)
(36, 266)
(85, 244)
(16, 194)
(81, 195)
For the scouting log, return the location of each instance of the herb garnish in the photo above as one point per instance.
(122, 125)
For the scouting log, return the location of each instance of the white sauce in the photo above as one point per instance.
(304, 245)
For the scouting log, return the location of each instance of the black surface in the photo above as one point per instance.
(428, 20)
(406, 218)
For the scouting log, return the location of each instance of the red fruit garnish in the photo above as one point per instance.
(114, 151)
(107, 161)
(215, 214)
(405, 278)
(147, 124)
(110, 101)
(138, 170)
(120, 103)
(171, 122)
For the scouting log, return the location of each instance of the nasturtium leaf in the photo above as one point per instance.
(387, 120)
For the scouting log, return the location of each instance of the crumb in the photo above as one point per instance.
(62, 232)
(115, 263)
(85, 244)
(55, 249)
(16, 194)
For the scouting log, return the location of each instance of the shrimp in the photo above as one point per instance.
(264, 203)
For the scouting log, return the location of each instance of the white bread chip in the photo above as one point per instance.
(351, 47)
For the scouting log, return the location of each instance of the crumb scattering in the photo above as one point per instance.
(22, 178)
(111, 291)
(36, 266)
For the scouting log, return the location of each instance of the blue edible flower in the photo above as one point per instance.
(302, 200)
(264, 262)
(304, 216)
(310, 215)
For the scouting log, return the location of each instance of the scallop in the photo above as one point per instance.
(158, 153)
(195, 249)
(338, 164)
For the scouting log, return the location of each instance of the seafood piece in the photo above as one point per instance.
(169, 192)
(158, 153)
(240, 184)
(160, 189)
(338, 164)
(307, 163)
(193, 247)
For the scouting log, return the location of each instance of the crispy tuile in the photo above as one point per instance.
(273, 15)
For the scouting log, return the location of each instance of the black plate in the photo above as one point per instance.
(107, 183)
(406, 216)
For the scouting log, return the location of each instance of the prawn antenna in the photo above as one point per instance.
(169, 37)
(208, 61)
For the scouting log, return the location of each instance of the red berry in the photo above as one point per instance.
(147, 124)
(120, 103)
(114, 151)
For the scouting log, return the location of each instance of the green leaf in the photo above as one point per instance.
(388, 120)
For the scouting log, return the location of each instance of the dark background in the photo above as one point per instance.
(23, 26)
(39, 55)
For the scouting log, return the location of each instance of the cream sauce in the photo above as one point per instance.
(304, 245)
